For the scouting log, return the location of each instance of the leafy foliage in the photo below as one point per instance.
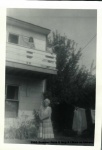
(72, 84)
(27, 129)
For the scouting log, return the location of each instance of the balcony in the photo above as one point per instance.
(25, 58)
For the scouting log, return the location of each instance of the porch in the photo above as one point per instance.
(20, 57)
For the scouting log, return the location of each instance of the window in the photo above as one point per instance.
(31, 43)
(12, 102)
(13, 38)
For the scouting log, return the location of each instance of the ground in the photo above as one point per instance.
(58, 140)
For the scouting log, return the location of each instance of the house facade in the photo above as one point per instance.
(28, 64)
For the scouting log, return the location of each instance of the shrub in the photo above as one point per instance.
(25, 130)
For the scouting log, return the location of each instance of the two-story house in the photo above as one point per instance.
(28, 64)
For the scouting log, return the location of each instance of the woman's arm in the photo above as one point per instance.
(48, 114)
(40, 113)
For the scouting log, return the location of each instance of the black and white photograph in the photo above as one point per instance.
(50, 76)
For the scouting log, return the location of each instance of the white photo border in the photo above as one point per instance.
(52, 5)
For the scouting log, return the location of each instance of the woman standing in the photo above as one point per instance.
(45, 129)
(31, 43)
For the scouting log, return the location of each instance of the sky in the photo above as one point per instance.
(78, 25)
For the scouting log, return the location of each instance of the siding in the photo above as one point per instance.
(30, 96)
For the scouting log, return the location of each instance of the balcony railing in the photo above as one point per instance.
(32, 57)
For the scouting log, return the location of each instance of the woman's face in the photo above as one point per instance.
(46, 103)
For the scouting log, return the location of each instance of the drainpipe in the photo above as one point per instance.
(44, 86)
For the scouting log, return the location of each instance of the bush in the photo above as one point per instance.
(26, 129)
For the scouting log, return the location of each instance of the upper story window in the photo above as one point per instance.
(13, 38)
(27, 42)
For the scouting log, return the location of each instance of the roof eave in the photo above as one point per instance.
(28, 26)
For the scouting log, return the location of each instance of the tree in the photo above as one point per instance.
(67, 66)
(72, 86)
(71, 82)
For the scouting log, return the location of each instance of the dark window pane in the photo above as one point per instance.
(13, 38)
(12, 92)
(11, 109)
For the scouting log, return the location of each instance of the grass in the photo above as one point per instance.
(59, 139)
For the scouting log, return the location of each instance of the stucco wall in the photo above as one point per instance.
(30, 96)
